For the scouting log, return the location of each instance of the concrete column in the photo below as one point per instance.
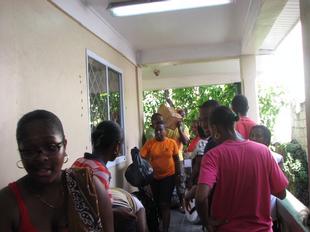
(305, 25)
(140, 102)
(248, 78)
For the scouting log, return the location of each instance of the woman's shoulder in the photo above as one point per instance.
(9, 216)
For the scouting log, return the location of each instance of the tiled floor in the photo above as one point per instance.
(179, 223)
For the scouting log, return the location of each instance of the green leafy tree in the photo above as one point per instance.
(188, 98)
(296, 169)
(271, 100)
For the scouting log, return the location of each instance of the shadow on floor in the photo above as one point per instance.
(179, 223)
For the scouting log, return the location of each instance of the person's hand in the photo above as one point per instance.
(212, 224)
(188, 205)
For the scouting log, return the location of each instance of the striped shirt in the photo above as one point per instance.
(98, 168)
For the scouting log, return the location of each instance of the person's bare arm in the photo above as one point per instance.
(9, 211)
(183, 137)
(177, 164)
(196, 167)
(177, 169)
(169, 101)
(141, 221)
(202, 206)
(281, 195)
(105, 207)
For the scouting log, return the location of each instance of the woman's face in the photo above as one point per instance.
(160, 132)
(42, 149)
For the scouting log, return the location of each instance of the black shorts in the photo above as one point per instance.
(162, 189)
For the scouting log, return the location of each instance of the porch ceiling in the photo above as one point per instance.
(207, 33)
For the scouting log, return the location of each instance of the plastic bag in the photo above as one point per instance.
(140, 172)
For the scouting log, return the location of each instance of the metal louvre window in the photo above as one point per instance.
(105, 90)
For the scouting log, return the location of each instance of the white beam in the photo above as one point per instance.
(189, 81)
(88, 18)
(190, 53)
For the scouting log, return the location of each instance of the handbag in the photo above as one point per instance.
(140, 172)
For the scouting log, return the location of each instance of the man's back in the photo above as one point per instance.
(245, 174)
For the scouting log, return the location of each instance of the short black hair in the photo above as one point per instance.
(209, 103)
(106, 134)
(223, 116)
(38, 115)
(266, 133)
(155, 115)
(240, 104)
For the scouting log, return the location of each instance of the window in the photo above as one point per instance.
(105, 92)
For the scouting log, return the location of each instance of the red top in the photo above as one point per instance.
(25, 222)
(193, 143)
(244, 126)
(245, 174)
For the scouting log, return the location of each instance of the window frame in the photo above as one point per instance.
(122, 158)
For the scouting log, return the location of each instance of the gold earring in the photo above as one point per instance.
(19, 164)
(217, 136)
(66, 158)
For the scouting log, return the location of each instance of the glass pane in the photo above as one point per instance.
(115, 99)
(115, 96)
(97, 92)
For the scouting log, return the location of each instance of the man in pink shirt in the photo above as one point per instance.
(242, 174)
(240, 106)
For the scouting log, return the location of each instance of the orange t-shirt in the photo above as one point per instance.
(160, 154)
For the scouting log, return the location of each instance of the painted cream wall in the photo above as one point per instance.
(43, 65)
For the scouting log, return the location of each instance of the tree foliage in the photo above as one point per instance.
(270, 100)
(296, 169)
(188, 99)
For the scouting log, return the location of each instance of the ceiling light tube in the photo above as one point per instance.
(163, 6)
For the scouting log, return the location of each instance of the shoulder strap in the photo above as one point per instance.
(25, 223)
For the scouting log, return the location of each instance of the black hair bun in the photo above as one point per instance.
(236, 117)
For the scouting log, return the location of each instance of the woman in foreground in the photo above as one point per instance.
(48, 198)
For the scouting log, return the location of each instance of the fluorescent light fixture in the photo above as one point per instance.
(130, 9)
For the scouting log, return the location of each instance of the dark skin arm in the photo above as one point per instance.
(196, 167)
(177, 169)
(10, 216)
(183, 138)
(105, 207)
(177, 164)
(202, 206)
(281, 195)
(169, 101)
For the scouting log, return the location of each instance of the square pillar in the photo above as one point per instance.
(305, 25)
(248, 78)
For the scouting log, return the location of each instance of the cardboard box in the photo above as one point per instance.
(171, 117)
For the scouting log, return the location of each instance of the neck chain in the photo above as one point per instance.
(38, 196)
(48, 204)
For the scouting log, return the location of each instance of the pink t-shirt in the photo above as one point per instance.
(244, 126)
(245, 174)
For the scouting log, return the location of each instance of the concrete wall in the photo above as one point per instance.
(43, 65)
(299, 127)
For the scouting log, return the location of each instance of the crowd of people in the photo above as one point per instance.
(233, 175)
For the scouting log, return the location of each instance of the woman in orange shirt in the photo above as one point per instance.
(162, 153)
